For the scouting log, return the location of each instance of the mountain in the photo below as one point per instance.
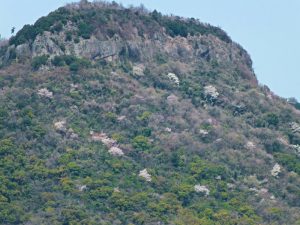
(113, 115)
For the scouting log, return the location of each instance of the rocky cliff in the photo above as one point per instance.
(110, 115)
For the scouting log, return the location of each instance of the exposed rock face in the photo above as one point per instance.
(45, 45)
(23, 51)
(93, 48)
(190, 49)
(208, 122)
(144, 174)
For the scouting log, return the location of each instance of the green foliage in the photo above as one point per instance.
(58, 61)
(272, 119)
(141, 143)
(111, 117)
(29, 32)
(180, 27)
(101, 192)
(38, 61)
(6, 146)
(68, 36)
(178, 159)
(78, 64)
(205, 170)
(160, 59)
(11, 213)
(73, 62)
(272, 146)
(292, 162)
(85, 30)
(69, 176)
(176, 28)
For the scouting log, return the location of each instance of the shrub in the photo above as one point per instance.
(73, 62)
(176, 28)
(57, 27)
(292, 162)
(111, 117)
(78, 63)
(272, 146)
(38, 61)
(141, 143)
(101, 192)
(85, 30)
(29, 32)
(68, 36)
(6, 146)
(271, 119)
(58, 61)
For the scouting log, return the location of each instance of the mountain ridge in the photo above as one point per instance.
(112, 115)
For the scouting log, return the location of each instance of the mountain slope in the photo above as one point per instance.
(123, 116)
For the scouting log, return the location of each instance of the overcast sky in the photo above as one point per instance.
(268, 29)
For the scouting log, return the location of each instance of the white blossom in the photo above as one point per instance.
(44, 92)
(276, 170)
(82, 188)
(116, 151)
(72, 134)
(250, 145)
(108, 142)
(60, 125)
(174, 78)
(121, 118)
(144, 174)
(203, 132)
(211, 91)
(203, 189)
(229, 185)
(219, 178)
(138, 70)
(167, 129)
(116, 189)
(172, 99)
(296, 147)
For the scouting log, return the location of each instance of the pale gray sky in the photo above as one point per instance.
(268, 30)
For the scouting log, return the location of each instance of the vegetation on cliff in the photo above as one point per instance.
(111, 115)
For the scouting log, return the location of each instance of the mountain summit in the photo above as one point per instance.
(114, 115)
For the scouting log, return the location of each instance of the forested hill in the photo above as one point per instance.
(114, 115)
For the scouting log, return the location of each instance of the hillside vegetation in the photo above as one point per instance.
(113, 115)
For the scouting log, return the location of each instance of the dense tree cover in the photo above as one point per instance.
(45, 173)
(55, 109)
(85, 22)
(29, 32)
(181, 27)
